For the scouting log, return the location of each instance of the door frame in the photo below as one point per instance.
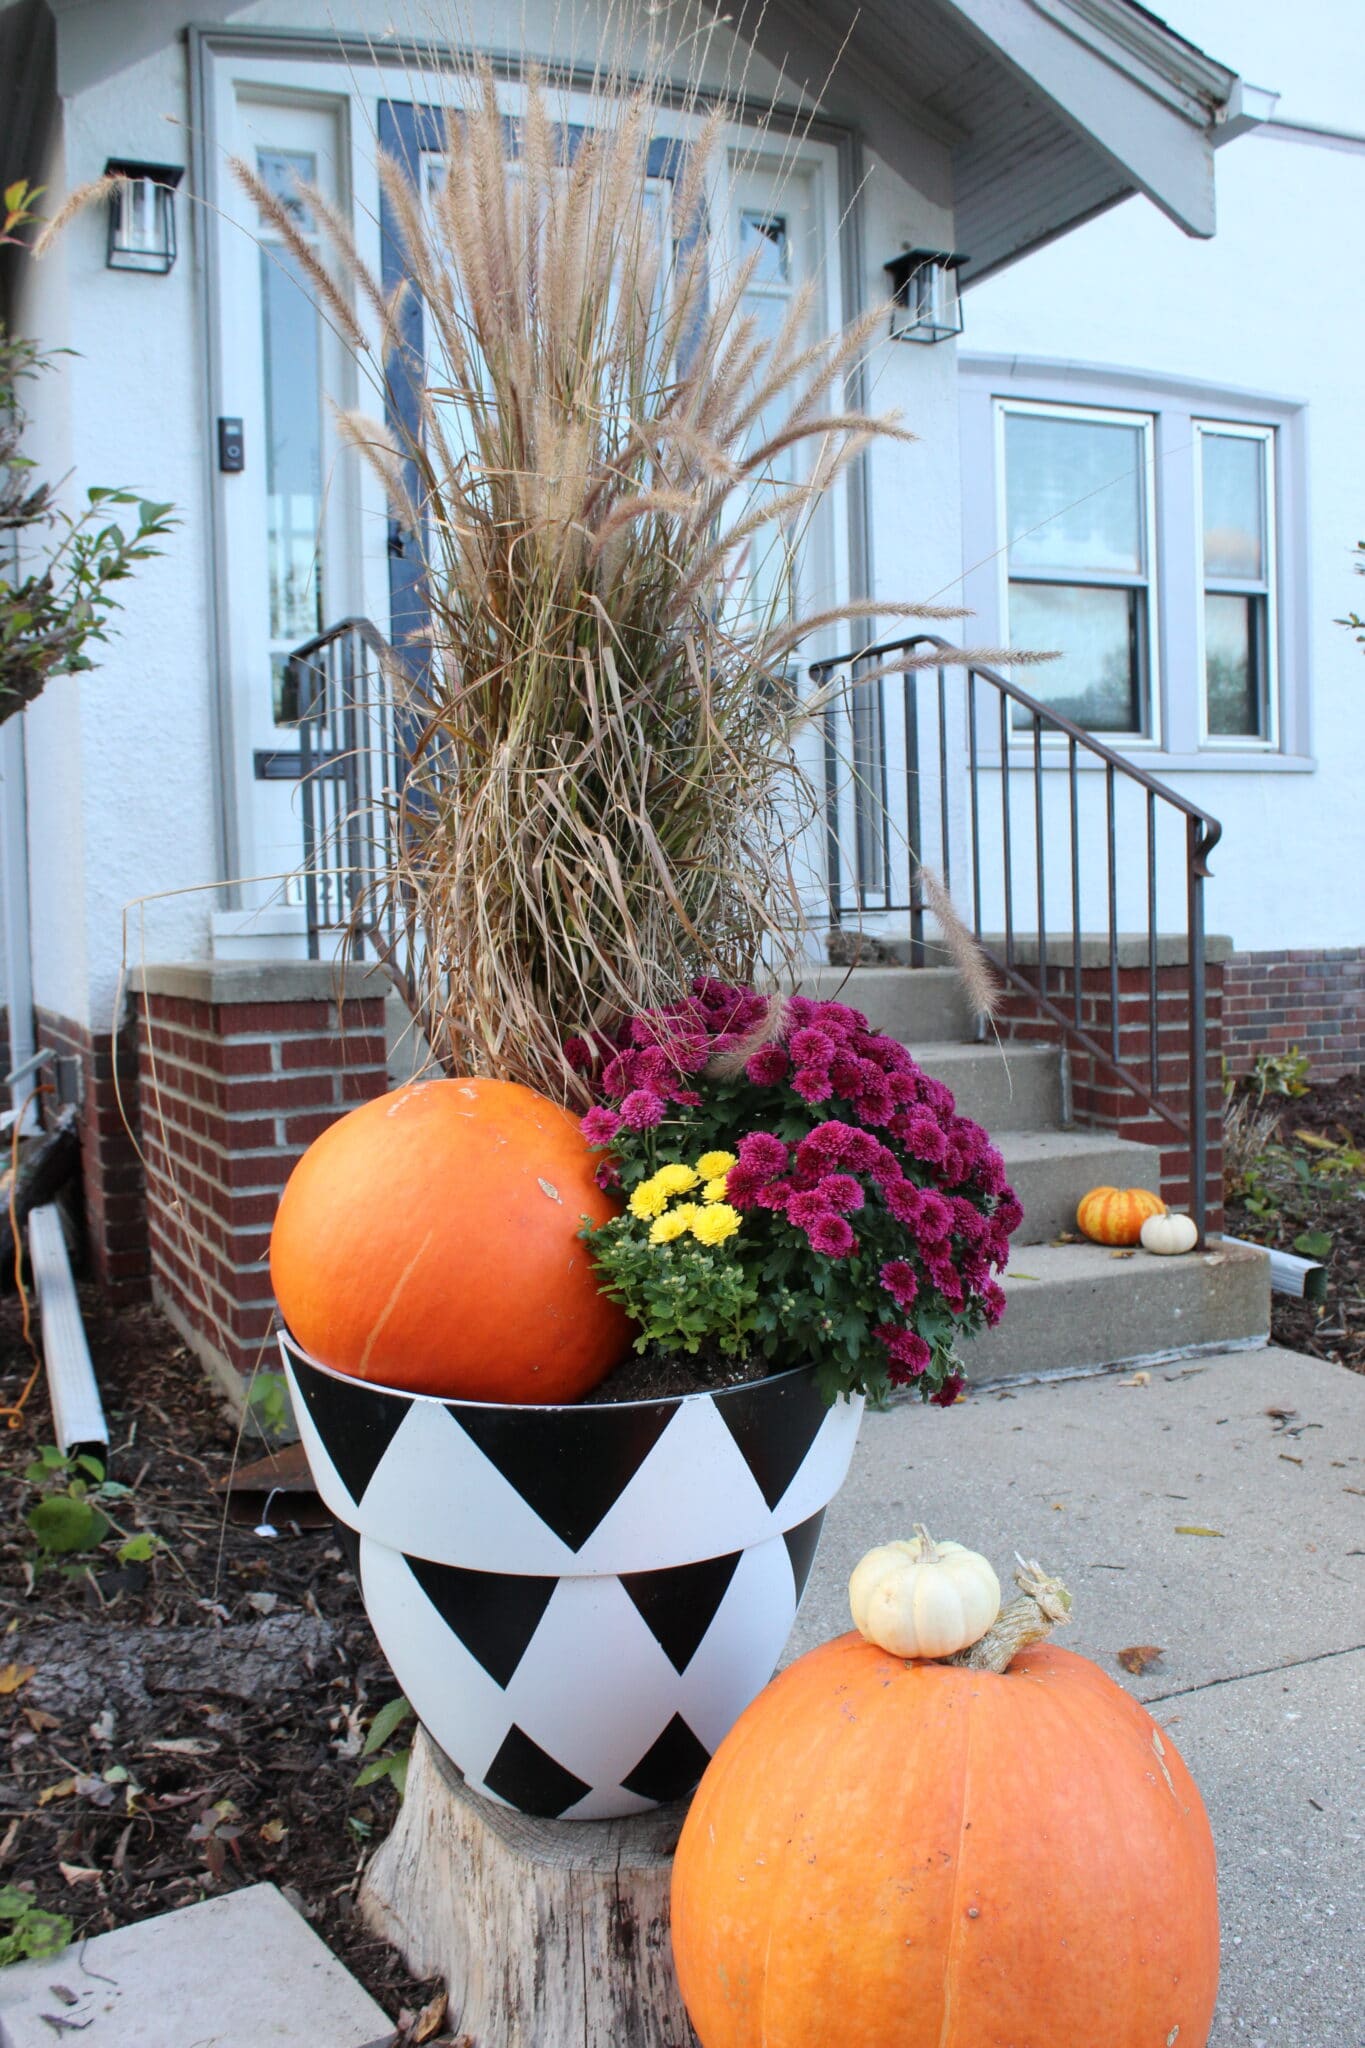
(344, 68)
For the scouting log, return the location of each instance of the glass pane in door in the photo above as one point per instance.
(293, 448)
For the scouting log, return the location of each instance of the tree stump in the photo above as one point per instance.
(549, 1934)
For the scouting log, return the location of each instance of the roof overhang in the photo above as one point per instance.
(1051, 110)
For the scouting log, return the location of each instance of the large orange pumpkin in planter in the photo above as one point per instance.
(429, 1241)
(888, 1854)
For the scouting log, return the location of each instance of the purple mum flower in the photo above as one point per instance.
(642, 1109)
(899, 1279)
(759, 1152)
(599, 1126)
(831, 1236)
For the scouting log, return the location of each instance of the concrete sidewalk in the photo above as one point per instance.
(1263, 1679)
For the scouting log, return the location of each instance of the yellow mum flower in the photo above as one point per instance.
(648, 1199)
(675, 1179)
(712, 1164)
(714, 1225)
(714, 1191)
(675, 1224)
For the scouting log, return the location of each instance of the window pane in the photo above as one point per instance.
(293, 450)
(282, 171)
(766, 233)
(1074, 491)
(1234, 630)
(1234, 506)
(1097, 681)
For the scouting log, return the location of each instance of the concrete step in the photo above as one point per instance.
(1074, 1307)
(919, 1004)
(1051, 1170)
(1009, 1088)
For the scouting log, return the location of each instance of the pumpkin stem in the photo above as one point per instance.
(930, 1547)
(1043, 1604)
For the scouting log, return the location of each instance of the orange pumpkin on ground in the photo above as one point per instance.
(429, 1241)
(1116, 1215)
(886, 1854)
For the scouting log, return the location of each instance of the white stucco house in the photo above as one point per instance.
(982, 135)
(1199, 614)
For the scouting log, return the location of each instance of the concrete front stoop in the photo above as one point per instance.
(1075, 1307)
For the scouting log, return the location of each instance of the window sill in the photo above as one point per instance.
(1211, 761)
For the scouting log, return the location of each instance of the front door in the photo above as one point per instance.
(304, 538)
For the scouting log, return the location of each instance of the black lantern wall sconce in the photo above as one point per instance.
(927, 305)
(142, 215)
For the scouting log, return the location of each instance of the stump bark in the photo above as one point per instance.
(549, 1934)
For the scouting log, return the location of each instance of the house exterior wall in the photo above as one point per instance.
(1268, 310)
(129, 859)
(121, 768)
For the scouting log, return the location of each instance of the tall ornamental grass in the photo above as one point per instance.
(606, 796)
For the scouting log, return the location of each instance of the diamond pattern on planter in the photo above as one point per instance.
(528, 1777)
(436, 1495)
(671, 1766)
(565, 1464)
(801, 1545)
(356, 1423)
(678, 1605)
(774, 1427)
(714, 1505)
(494, 1614)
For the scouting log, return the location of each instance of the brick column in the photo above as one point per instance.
(111, 1172)
(240, 1066)
(1099, 1100)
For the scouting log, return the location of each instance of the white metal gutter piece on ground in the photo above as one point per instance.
(77, 1414)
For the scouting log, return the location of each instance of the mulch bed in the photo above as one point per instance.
(191, 1725)
(1333, 1202)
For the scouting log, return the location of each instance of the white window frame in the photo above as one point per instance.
(1267, 586)
(1148, 733)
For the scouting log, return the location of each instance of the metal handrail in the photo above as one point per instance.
(1024, 753)
(351, 764)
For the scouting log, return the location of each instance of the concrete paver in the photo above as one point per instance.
(1262, 1683)
(242, 1971)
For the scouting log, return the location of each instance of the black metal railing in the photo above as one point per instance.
(351, 767)
(874, 745)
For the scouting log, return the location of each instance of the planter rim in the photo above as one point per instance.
(291, 1343)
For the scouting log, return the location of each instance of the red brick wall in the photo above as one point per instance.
(1099, 1101)
(1312, 999)
(231, 1093)
(111, 1172)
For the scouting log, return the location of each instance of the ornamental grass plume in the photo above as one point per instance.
(606, 796)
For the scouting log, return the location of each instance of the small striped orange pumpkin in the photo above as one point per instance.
(1116, 1215)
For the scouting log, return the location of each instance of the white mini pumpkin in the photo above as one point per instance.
(923, 1599)
(1169, 1235)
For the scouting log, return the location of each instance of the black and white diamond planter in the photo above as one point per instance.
(579, 1602)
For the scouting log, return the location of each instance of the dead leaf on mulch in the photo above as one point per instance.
(12, 1676)
(1140, 1657)
(430, 2019)
(1195, 1529)
(78, 1873)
